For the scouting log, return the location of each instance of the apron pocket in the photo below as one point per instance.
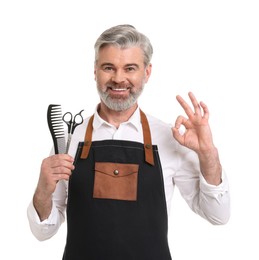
(115, 181)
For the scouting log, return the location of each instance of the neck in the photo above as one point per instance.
(115, 117)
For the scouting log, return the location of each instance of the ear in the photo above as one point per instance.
(95, 72)
(148, 71)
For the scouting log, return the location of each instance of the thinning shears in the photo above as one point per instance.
(72, 123)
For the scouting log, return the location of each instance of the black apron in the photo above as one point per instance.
(116, 207)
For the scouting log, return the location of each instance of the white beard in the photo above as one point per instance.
(120, 104)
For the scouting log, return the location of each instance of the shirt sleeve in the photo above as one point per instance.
(209, 201)
(215, 200)
(44, 230)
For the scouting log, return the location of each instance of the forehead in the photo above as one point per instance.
(120, 56)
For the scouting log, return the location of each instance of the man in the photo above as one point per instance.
(117, 182)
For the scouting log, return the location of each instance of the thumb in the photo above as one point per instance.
(177, 135)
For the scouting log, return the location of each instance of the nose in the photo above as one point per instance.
(119, 76)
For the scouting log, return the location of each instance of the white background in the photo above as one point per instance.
(208, 47)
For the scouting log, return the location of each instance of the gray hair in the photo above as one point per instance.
(124, 36)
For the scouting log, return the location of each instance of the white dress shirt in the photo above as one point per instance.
(180, 168)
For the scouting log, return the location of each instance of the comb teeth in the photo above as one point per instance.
(56, 120)
(56, 128)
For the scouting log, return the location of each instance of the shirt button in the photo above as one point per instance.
(116, 172)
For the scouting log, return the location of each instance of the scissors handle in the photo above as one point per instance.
(67, 118)
(78, 120)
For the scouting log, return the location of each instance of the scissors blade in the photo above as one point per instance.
(68, 142)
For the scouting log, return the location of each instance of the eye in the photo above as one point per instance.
(108, 68)
(129, 69)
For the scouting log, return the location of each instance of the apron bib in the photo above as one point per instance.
(116, 207)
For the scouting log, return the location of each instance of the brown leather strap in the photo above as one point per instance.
(88, 138)
(147, 139)
(149, 158)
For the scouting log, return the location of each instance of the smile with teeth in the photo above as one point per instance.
(118, 89)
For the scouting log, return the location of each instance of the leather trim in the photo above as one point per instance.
(149, 158)
(147, 139)
(88, 138)
(116, 181)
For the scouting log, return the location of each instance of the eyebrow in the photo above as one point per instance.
(132, 64)
(106, 64)
(127, 65)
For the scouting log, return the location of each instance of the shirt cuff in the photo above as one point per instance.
(34, 217)
(215, 190)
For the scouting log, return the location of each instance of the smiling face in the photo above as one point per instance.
(120, 75)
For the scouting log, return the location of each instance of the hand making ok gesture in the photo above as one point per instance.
(198, 137)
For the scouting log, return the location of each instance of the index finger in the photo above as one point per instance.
(63, 156)
(184, 105)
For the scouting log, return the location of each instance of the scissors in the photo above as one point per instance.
(72, 123)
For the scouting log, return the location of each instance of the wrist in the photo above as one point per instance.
(42, 203)
(210, 166)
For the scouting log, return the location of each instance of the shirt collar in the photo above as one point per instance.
(134, 120)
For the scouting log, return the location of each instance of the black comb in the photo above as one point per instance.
(56, 128)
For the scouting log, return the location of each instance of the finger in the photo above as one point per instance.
(177, 135)
(205, 110)
(60, 173)
(178, 132)
(61, 176)
(196, 105)
(64, 156)
(61, 160)
(65, 164)
(63, 169)
(181, 120)
(185, 106)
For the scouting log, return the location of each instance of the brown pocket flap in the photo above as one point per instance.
(116, 170)
(116, 181)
